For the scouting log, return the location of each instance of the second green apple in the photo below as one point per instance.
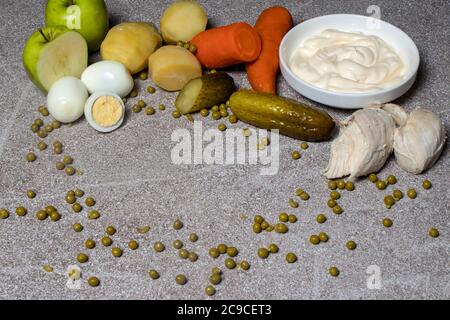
(88, 17)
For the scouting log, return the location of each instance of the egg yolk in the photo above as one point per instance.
(107, 111)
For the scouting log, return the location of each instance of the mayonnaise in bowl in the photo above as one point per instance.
(347, 62)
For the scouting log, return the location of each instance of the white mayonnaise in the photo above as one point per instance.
(347, 62)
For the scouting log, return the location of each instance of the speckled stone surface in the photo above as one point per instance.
(131, 176)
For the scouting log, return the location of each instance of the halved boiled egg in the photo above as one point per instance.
(104, 111)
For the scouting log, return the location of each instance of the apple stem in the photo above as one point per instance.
(42, 33)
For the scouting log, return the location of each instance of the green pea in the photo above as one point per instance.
(244, 265)
(296, 155)
(270, 228)
(177, 225)
(257, 228)
(222, 248)
(183, 253)
(323, 237)
(116, 252)
(55, 216)
(321, 218)
(299, 191)
(314, 239)
(216, 115)
(264, 225)
(159, 246)
(373, 177)
(78, 227)
(337, 209)
(31, 194)
(292, 203)
(20, 211)
(181, 279)
(42, 134)
(331, 203)
(214, 252)
(42, 145)
(232, 251)
(34, 128)
(411, 193)
(233, 118)
(143, 76)
(426, 184)
(192, 256)
(93, 281)
(222, 127)
(136, 108)
(48, 128)
(332, 185)
(334, 272)
(263, 253)
(283, 217)
(60, 165)
(349, 186)
(4, 214)
(70, 199)
(68, 160)
(304, 196)
(216, 270)
(389, 201)
(111, 230)
(76, 207)
(397, 194)
(41, 215)
(204, 112)
(106, 241)
(192, 48)
(162, 107)
(351, 245)
(90, 202)
(391, 179)
(193, 237)
(82, 258)
(304, 145)
(340, 184)
(387, 222)
(141, 104)
(230, 263)
(177, 244)
(215, 279)
(381, 185)
(70, 171)
(133, 93)
(93, 215)
(150, 111)
(30, 157)
(335, 195)
(56, 124)
(291, 258)
(433, 232)
(292, 218)
(258, 219)
(176, 114)
(281, 228)
(89, 244)
(153, 274)
(273, 248)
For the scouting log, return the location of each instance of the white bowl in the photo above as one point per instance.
(395, 37)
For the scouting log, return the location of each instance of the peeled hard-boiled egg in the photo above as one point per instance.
(109, 76)
(66, 99)
(104, 111)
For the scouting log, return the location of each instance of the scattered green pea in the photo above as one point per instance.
(42, 134)
(41, 215)
(340, 184)
(214, 252)
(136, 108)
(263, 253)
(273, 248)
(204, 112)
(258, 219)
(222, 127)
(111, 230)
(283, 217)
(387, 222)
(34, 128)
(216, 115)
(381, 185)
(76, 207)
(323, 237)
(389, 201)
(334, 272)
(292, 203)
(106, 241)
(244, 265)
(433, 232)
(177, 225)
(55, 216)
(162, 107)
(90, 202)
(30, 157)
(60, 165)
(89, 244)
(411, 193)
(192, 256)
(68, 160)
(397, 194)
(304, 196)
(20, 211)
(373, 177)
(337, 209)
(281, 228)
(31, 194)
(332, 185)
(321, 218)
(56, 124)
(153, 274)
(215, 279)
(296, 155)
(93, 215)
(143, 76)
(349, 186)
(335, 195)
(70, 171)
(222, 248)
(93, 281)
(426, 184)
(314, 239)
(150, 111)
(42, 145)
(291, 258)
(264, 225)
(304, 145)
(292, 218)
(257, 228)
(181, 279)
(193, 237)
(391, 180)
(232, 251)
(4, 214)
(116, 252)
(351, 245)
(82, 258)
(331, 203)
(183, 253)
(133, 93)
(176, 114)
(57, 150)
(78, 227)
(233, 118)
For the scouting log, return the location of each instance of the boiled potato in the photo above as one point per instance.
(131, 44)
(182, 21)
(171, 67)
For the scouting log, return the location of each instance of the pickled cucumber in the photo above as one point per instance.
(292, 118)
(204, 92)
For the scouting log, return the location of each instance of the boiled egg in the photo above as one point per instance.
(108, 76)
(66, 99)
(104, 111)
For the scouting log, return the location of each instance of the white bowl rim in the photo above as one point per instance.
(412, 68)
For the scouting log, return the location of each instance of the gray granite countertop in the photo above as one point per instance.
(131, 176)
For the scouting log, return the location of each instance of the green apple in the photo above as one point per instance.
(88, 17)
(52, 53)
